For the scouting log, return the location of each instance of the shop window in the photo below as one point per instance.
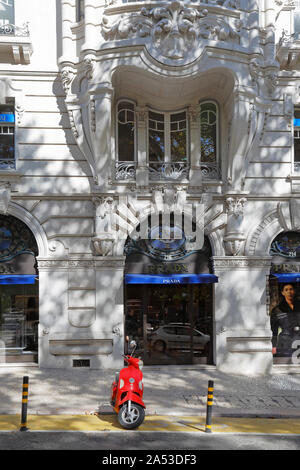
(296, 140)
(209, 140)
(126, 140)
(7, 137)
(19, 300)
(79, 10)
(284, 297)
(7, 16)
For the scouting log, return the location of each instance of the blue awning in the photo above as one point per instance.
(17, 279)
(170, 278)
(287, 277)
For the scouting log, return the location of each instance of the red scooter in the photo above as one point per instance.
(127, 392)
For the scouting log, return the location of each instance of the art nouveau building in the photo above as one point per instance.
(127, 130)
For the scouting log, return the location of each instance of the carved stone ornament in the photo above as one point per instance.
(5, 196)
(234, 237)
(103, 240)
(173, 32)
(102, 246)
(67, 76)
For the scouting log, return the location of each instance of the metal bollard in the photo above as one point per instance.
(24, 404)
(209, 406)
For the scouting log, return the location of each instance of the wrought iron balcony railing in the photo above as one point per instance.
(210, 171)
(13, 30)
(174, 171)
(168, 171)
(288, 50)
(125, 171)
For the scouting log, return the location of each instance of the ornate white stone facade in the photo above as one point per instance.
(164, 55)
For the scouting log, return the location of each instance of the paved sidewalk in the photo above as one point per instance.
(156, 423)
(172, 390)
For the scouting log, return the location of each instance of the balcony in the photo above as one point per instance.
(15, 44)
(288, 51)
(175, 171)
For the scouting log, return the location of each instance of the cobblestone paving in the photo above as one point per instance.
(246, 401)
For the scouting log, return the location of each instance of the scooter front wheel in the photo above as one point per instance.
(131, 419)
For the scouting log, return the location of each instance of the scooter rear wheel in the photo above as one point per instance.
(132, 419)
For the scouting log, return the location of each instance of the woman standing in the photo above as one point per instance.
(286, 316)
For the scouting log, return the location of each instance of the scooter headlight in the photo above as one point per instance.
(121, 383)
(141, 364)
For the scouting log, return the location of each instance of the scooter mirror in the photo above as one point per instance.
(132, 345)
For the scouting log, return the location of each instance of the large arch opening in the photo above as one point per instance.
(19, 287)
(169, 292)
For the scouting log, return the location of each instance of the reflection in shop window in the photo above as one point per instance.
(297, 140)
(284, 295)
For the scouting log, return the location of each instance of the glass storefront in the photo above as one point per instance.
(284, 295)
(19, 322)
(19, 292)
(171, 324)
(168, 298)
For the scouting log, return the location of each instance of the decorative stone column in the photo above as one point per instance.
(110, 306)
(195, 175)
(90, 26)
(142, 173)
(100, 131)
(53, 309)
(253, 26)
(68, 13)
(242, 323)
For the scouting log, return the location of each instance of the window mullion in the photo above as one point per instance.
(168, 158)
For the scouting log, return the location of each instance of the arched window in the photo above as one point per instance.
(209, 140)
(126, 140)
(19, 300)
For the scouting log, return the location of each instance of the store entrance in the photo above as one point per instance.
(172, 324)
(19, 318)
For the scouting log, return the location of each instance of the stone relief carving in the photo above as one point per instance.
(5, 196)
(103, 239)
(67, 76)
(288, 214)
(57, 248)
(89, 67)
(174, 29)
(234, 236)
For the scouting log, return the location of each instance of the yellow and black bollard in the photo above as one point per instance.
(209, 406)
(24, 404)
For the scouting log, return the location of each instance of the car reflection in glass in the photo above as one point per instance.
(178, 336)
